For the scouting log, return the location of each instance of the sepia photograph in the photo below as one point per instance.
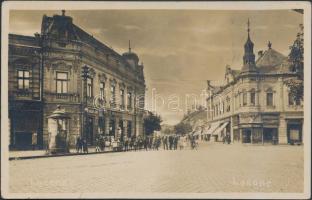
(156, 100)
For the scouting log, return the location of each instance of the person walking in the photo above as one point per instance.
(78, 144)
(97, 144)
(170, 142)
(85, 146)
(34, 141)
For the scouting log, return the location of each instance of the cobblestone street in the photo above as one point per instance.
(211, 168)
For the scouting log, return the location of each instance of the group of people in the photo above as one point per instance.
(81, 145)
(169, 142)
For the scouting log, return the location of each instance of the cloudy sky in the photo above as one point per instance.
(180, 49)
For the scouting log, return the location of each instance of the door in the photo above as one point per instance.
(246, 136)
(23, 140)
(90, 131)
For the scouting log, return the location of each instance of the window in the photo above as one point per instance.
(292, 101)
(61, 82)
(252, 97)
(228, 105)
(90, 87)
(269, 98)
(113, 93)
(244, 98)
(122, 98)
(129, 99)
(23, 79)
(102, 90)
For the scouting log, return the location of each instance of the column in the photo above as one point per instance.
(125, 125)
(241, 135)
(231, 130)
(251, 135)
(282, 131)
(116, 127)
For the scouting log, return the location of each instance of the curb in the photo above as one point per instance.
(60, 155)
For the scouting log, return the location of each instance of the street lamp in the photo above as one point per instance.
(85, 75)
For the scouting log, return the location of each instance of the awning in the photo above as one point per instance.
(212, 128)
(220, 128)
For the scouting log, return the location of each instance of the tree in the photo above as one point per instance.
(296, 59)
(182, 128)
(152, 123)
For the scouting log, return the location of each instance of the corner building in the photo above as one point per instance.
(254, 105)
(46, 71)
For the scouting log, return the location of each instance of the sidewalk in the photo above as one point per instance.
(31, 154)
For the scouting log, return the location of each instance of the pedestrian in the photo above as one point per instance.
(78, 144)
(34, 141)
(170, 142)
(102, 143)
(97, 144)
(85, 146)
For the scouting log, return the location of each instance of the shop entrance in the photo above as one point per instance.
(269, 135)
(294, 133)
(23, 140)
(246, 135)
(89, 134)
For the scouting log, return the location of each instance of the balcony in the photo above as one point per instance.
(63, 97)
(23, 93)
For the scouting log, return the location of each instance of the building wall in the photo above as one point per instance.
(256, 116)
(62, 53)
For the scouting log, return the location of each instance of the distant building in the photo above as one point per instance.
(254, 105)
(45, 71)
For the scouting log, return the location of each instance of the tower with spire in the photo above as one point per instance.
(249, 64)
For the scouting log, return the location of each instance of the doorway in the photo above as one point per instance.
(269, 134)
(89, 135)
(294, 133)
(246, 136)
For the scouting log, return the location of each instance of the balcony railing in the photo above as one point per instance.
(65, 97)
(23, 93)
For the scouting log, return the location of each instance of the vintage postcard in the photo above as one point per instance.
(156, 99)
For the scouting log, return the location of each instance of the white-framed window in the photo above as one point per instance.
(61, 82)
(23, 77)
(252, 97)
(90, 87)
(102, 90)
(269, 97)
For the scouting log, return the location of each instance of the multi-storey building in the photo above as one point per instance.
(46, 71)
(254, 104)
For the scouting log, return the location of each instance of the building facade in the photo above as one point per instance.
(254, 104)
(103, 91)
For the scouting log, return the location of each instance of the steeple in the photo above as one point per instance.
(129, 47)
(249, 56)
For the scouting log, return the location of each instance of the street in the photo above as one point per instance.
(211, 168)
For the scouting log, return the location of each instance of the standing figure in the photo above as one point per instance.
(34, 140)
(85, 146)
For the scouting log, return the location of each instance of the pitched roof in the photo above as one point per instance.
(272, 61)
